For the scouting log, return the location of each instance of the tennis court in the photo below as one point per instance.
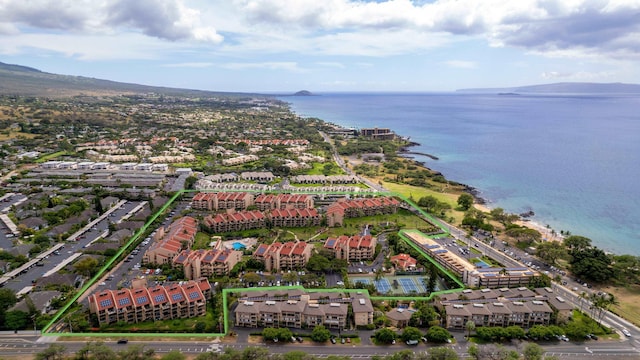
(398, 285)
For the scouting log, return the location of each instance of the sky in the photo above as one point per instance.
(326, 45)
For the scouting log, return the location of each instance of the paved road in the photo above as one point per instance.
(28, 344)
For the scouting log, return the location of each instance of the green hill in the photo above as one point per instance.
(26, 81)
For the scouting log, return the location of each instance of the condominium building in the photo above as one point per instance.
(278, 256)
(302, 310)
(205, 263)
(235, 221)
(173, 301)
(266, 202)
(499, 307)
(170, 241)
(222, 201)
(378, 133)
(343, 208)
(492, 277)
(354, 248)
(294, 217)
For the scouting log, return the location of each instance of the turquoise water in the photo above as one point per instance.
(574, 160)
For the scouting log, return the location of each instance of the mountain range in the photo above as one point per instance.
(26, 81)
(562, 88)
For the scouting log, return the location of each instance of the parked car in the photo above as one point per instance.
(333, 340)
(123, 341)
(412, 342)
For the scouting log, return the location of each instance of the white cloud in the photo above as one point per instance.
(87, 47)
(566, 28)
(288, 66)
(331, 64)
(189, 65)
(460, 64)
(578, 76)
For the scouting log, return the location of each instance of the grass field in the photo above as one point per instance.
(629, 307)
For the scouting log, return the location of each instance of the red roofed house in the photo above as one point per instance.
(235, 221)
(278, 256)
(294, 217)
(149, 304)
(354, 248)
(404, 262)
(343, 208)
(179, 234)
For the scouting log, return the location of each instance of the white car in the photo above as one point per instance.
(626, 332)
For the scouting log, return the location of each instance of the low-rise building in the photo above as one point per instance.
(205, 263)
(175, 301)
(343, 208)
(294, 217)
(169, 242)
(404, 262)
(266, 202)
(235, 221)
(279, 256)
(222, 200)
(352, 248)
(302, 310)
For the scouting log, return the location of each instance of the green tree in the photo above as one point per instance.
(318, 263)
(136, 352)
(173, 355)
(16, 319)
(255, 353)
(551, 251)
(442, 353)
(87, 266)
(53, 352)
(576, 242)
(384, 336)
(470, 326)
(320, 334)
(7, 300)
(465, 201)
(410, 333)
(438, 334)
(532, 351)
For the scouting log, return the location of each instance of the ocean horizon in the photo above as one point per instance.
(571, 158)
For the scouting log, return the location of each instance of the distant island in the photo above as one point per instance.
(303, 93)
(561, 88)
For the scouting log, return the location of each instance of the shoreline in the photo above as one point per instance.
(480, 203)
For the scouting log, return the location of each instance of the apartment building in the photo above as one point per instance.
(344, 208)
(499, 307)
(266, 202)
(281, 256)
(294, 217)
(205, 263)
(378, 133)
(302, 310)
(235, 221)
(222, 201)
(173, 301)
(354, 248)
(496, 277)
(170, 241)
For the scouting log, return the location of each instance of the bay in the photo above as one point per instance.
(572, 159)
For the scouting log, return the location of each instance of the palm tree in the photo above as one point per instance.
(470, 326)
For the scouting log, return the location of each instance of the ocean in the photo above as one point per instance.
(572, 159)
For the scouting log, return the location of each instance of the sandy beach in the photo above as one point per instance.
(548, 234)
